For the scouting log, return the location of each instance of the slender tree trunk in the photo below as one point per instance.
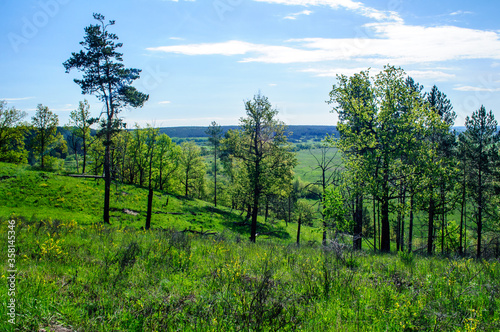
(479, 211)
(462, 211)
(255, 211)
(443, 225)
(358, 226)
(430, 231)
(150, 192)
(107, 176)
(374, 226)
(323, 182)
(410, 226)
(385, 244)
(402, 232)
(84, 143)
(298, 230)
(186, 188)
(215, 177)
(76, 159)
(267, 209)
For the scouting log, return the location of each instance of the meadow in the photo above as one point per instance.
(195, 270)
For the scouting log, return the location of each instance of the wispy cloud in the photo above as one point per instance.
(295, 15)
(17, 99)
(461, 12)
(165, 102)
(476, 89)
(358, 7)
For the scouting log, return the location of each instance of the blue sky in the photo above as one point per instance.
(201, 59)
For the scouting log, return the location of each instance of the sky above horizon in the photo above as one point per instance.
(202, 59)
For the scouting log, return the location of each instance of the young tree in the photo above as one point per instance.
(192, 164)
(151, 138)
(440, 166)
(168, 161)
(329, 172)
(45, 126)
(264, 152)
(214, 133)
(79, 123)
(481, 148)
(12, 132)
(105, 76)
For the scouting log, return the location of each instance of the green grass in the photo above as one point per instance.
(307, 169)
(97, 278)
(47, 196)
(72, 271)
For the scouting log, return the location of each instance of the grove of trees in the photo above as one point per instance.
(407, 179)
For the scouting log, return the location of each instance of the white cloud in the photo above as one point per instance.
(295, 15)
(333, 72)
(434, 75)
(164, 102)
(461, 12)
(355, 6)
(477, 89)
(232, 47)
(392, 43)
(17, 99)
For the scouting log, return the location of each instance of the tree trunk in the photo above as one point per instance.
(107, 179)
(298, 230)
(255, 211)
(76, 159)
(385, 243)
(84, 143)
(150, 209)
(462, 211)
(479, 211)
(215, 177)
(430, 231)
(410, 230)
(358, 220)
(187, 182)
(374, 226)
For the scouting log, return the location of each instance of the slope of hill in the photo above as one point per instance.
(47, 196)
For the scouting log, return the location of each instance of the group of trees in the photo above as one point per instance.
(398, 148)
(38, 140)
(400, 153)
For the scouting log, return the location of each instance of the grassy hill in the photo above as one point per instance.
(74, 273)
(38, 195)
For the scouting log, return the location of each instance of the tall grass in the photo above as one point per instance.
(98, 278)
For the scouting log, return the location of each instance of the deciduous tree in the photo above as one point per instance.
(12, 131)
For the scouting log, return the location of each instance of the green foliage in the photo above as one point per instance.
(335, 211)
(46, 137)
(12, 132)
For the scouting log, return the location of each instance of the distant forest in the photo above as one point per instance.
(297, 132)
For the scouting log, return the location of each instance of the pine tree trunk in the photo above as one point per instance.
(107, 179)
(298, 230)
